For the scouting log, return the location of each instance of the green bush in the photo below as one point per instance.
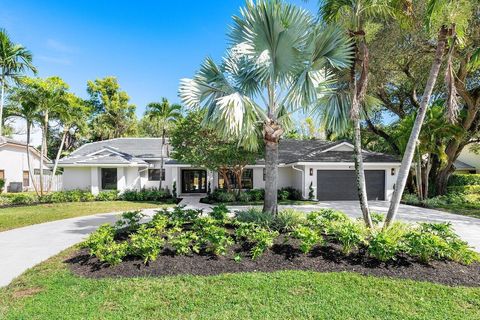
(293, 194)
(2, 184)
(464, 180)
(386, 244)
(377, 218)
(283, 195)
(184, 242)
(215, 239)
(256, 216)
(287, 220)
(23, 198)
(146, 243)
(130, 221)
(411, 199)
(111, 195)
(226, 197)
(350, 234)
(308, 238)
(311, 192)
(473, 189)
(179, 215)
(256, 194)
(325, 218)
(243, 197)
(219, 212)
(426, 246)
(153, 194)
(102, 245)
(259, 237)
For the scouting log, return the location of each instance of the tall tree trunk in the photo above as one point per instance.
(412, 141)
(31, 176)
(161, 157)
(57, 158)
(418, 176)
(238, 175)
(43, 150)
(224, 172)
(271, 177)
(2, 102)
(428, 167)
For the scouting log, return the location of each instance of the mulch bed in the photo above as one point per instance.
(282, 256)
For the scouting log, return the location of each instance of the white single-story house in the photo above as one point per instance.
(14, 165)
(134, 163)
(468, 161)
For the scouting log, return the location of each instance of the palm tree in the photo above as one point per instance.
(14, 60)
(353, 15)
(449, 19)
(164, 114)
(279, 61)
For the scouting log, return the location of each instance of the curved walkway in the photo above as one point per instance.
(23, 248)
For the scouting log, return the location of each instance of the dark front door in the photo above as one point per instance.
(109, 178)
(341, 185)
(194, 181)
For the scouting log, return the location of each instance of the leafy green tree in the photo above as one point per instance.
(358, 18)
(448, 19)
(165, 115)
(113, 116)
(278, 62)
(15, 59)
(194, 143)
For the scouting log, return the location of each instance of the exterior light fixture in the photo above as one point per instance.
(392, 172)
(311, 171)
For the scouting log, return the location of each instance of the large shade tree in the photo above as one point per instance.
(279, 61)
(165, 115)
(15, 60)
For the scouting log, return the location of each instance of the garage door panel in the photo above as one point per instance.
(341, 185)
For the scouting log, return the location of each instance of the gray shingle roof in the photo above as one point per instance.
(462, 165)
(127, 150)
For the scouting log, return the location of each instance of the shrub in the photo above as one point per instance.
(350, 234)
(324, 219)
(226, 197)
(154, 195)
(215, 239)
(111, 195)
(2, 184)
(261, 238)
(426, 246)
(102, 245)
(464, 180)
(256, 194)
(474, 189)
(23, 198)
(174, 190)
(179, 215)
(130, 220)
(287, 220)
(311, 192)
(256, 216)
(386, 244)
(219, 212)
(293, 194)
(146, 243)
(377, 218)
(283, 195)
(411, 199)
(243, 197)
(184, 242)
(308, 238)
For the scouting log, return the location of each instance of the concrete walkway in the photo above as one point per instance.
(23, 248)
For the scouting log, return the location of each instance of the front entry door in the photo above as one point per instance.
(194, 181)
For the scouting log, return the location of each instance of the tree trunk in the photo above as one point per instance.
(418, 176)
(29, 164)
(59, 152)
(238, 175)
(428, 167)
(271, 177)
(43, 150)
(224, 172)
(2, 102)
(161, 158)
(412, 141)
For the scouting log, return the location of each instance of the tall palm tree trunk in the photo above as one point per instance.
(57, 158)
(418, 174)
(271, 177)
(29, 163)
(161, 158)
(2, 102)
(412, 141)
(43, 150)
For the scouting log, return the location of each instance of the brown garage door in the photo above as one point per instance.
(341, 185)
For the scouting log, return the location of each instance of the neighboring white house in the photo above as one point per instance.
(468, 161)
(14, 165)
(134, 163)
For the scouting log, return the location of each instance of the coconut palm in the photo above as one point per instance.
(165, 115)
(448, 19)
(279, 61)
(14, 61)
(354, 16)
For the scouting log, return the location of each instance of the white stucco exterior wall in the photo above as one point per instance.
(471, 158)
(76, 178)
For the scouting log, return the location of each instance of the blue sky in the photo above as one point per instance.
(148, 45)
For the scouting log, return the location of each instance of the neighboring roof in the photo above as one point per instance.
(124, 151)
(8, 141)
(460, 165)
(292, 151)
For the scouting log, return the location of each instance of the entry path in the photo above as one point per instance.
(23, 248)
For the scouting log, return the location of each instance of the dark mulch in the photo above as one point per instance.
(282, 256)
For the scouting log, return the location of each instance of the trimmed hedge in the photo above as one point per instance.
(464, 180)
(221, 195)
(470, 189)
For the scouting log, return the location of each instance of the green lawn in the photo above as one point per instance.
(50, 291)
(15, 217)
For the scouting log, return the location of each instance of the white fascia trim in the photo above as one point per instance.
(339, 145)
(367, 164)
(70, 165)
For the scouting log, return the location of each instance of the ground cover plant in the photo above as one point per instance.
(187, 241)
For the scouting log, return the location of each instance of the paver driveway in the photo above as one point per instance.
(25, 247)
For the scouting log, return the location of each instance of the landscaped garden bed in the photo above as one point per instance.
(186, 242)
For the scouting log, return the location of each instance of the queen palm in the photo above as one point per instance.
(446, 20)
(354, 16)
(279, 61)
(14, 61)
(165, 115)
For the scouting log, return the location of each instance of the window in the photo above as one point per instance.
(45, 172)
(247, 180)
(109, 178)
(154, 174)
(26, 179)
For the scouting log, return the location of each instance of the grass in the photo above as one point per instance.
(51, 291)
(15, 217)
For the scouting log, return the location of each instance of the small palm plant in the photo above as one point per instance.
(280, 60)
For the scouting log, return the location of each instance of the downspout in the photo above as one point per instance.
(303, 180)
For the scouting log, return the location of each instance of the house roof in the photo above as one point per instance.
(137, 151)
(460, 165)
(4, 141)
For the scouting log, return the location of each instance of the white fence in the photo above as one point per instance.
(57, 182)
